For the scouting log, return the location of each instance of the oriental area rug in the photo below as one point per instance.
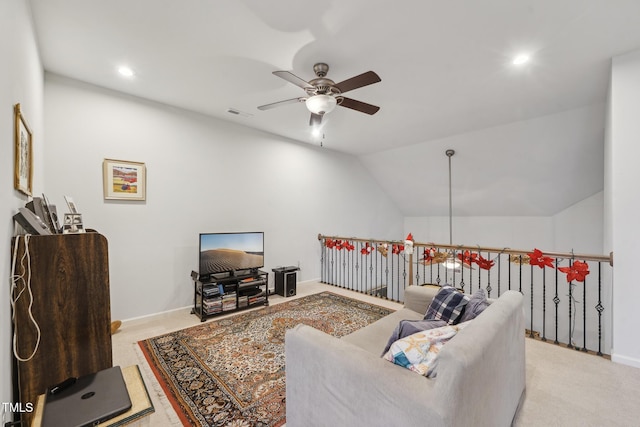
(231, 372)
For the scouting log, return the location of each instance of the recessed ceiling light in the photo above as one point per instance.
(521, 59)
(125, 71)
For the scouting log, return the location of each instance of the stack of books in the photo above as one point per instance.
(212, 305)
(229, 301)
(242, 301)
(255, 299)
(210, 291)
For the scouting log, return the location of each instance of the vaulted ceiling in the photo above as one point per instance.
(529, 138)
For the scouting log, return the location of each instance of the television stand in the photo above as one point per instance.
(214, 295)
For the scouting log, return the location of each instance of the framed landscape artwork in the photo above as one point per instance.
(124, 180)
(23, 158)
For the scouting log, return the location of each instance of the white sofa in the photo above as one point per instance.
(344, 382)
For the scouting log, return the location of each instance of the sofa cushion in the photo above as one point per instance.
(419, 352)
(447, 305)
(410, 327)
(373, 337)
(476, 305)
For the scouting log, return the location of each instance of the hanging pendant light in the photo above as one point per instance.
(451, 263)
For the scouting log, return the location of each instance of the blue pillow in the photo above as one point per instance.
(447, 305)
(410, 327)
(476, 305)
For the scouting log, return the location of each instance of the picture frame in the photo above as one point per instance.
(124, 180)
(23, 154)
(71, 204)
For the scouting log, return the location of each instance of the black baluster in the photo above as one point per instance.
(570, 345)
(531, 335)
(351, 266)
(544, 304)
(499, 272)
(322, 251)
(331, 271)
(488, 287)
(373, 282)
(479, 273)
(359, 270)
(509, 271)
(584, 315)
(386, 268)
(599, 308)
(556, 301)
(520, 275)
(438, 276)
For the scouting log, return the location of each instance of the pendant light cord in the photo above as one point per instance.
(449, 154)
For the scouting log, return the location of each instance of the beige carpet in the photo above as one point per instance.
(564, 387)
(570, 388)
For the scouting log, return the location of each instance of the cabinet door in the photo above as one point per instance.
(71, 304)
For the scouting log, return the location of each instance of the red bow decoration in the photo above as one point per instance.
(367, 249)
(467, 257)
(577, 271)
(396, 249)
(330, 243)
(537, 258)
(344, 244)
(484, 263)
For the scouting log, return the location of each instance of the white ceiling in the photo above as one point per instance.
(446, 77)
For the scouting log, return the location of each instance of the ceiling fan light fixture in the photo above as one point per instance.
(521, 59)
(321, 104)
(125, 71)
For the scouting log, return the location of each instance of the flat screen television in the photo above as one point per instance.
(230, 252)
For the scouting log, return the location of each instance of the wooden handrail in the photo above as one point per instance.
(567, 255)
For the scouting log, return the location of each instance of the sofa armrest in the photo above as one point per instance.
(418, 298)
(488, 354)
(331, 382)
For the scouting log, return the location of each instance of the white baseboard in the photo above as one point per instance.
(309, 281)
(157, 314)
(625, 360)
(271, 290)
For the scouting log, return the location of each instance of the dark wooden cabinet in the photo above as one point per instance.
(69, 281)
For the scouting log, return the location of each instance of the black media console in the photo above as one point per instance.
(223, 293)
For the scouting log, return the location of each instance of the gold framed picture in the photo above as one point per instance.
(23, 158)
(124, 180)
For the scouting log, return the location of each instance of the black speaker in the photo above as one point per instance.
(285, 282)
(290, 284)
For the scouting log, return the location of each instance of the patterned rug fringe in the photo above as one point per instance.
(150, 378)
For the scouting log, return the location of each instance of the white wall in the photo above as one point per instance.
(580, 227)
(20, 82)
(510, 160)
(490, 231)
(622, 178)
(203, 175)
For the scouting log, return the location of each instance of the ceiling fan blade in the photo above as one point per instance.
(315, 120)
(279, 103)
(356, 82)
(363, 107)
(292, 78)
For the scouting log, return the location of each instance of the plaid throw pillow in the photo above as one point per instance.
(447, 305)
